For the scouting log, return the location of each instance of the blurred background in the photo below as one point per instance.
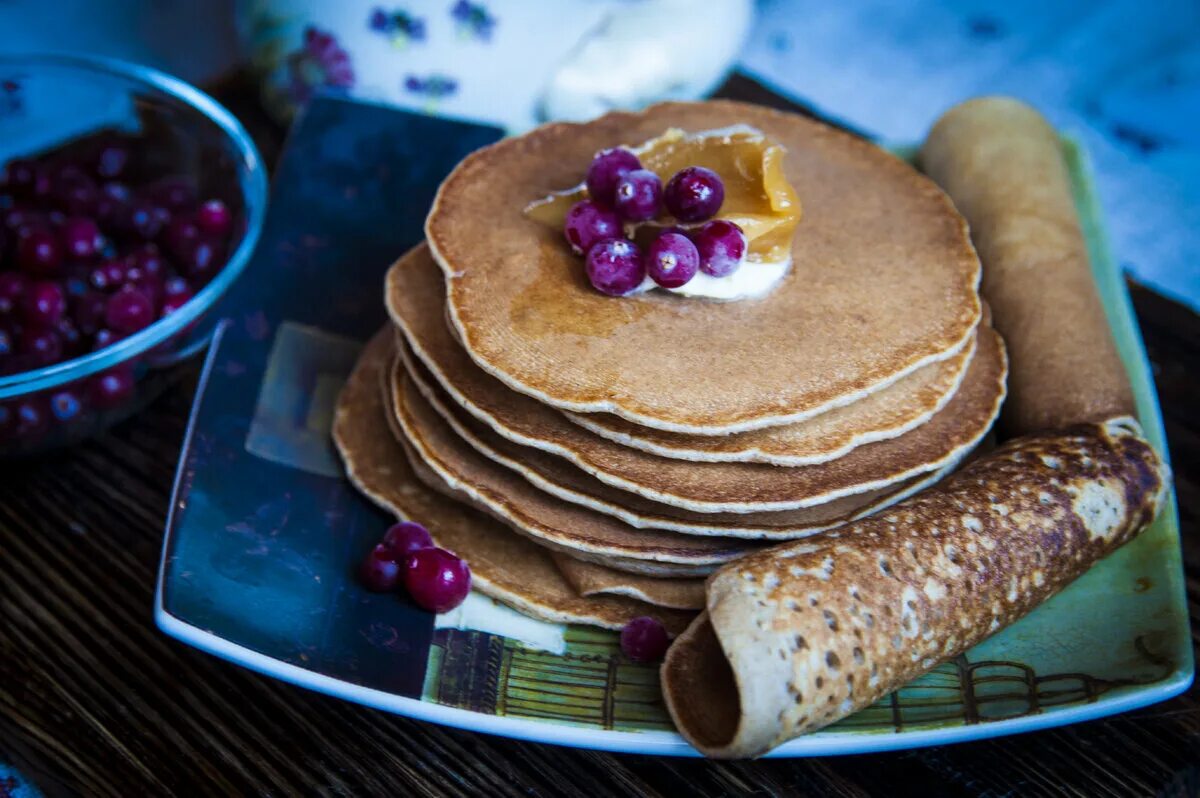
(1122, 76)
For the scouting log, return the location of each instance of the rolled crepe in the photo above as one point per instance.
(798, 636)
(1002, 165)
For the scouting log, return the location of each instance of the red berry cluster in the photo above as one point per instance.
(437, 580)
(620, 193)
(96, 243)
(95, 246)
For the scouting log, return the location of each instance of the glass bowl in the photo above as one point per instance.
(56, 101)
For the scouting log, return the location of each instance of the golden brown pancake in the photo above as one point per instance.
(884, 281)
(590, 579)
(504, 565)
(574, 530)
(701, 487)
(565, 481)
(887, 413)
(416, 295)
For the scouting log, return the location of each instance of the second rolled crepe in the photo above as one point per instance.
(1002, 165)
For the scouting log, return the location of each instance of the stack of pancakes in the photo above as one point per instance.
(593, 457)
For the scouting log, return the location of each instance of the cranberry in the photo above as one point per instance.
(638, 196)
(116, 191)
(31, 418)
(112, 161)
(20, 217)
(69, 334)
(38, 251)
(176, 294)
(113, 202)
(606, 169)
(113, 387)
(67, 171)
(145, 219)
(129, 310)
(41, 347)
(80, 237)
(75, 192)
(76, 286)
(181, 234)
(171, 304)
(151, 287)
(105, 338)
(43, 304)
(21, 177)
(65, 405)
(615, 267)
(177, 287)
(436, 579)
(672, 260)
(12, 287)
(644, 639)
(146, 260)
(588, 223)
(108, 276)
(379, 571)
(694, 194)
(214, 218)
(201, 261)
(88, 311)
(406, 537)
(173, 193)
(722, 247)
(42, 186)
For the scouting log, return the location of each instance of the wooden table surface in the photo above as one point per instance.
(94, 700)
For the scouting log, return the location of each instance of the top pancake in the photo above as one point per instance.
(884, 281)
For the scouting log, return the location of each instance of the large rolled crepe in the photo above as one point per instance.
(1003, 167)
(801, 635)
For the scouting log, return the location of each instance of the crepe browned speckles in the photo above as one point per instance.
(413, 292)
(569, 528)
(565, 481)
(798, 636)
(504, 565)
(884, 281)
(591, 579)
(1002, 164)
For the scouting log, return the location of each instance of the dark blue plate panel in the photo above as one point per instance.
(264, 531)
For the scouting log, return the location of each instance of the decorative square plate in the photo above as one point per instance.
(263, 534)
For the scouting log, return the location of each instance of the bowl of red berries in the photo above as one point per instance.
(129, 204)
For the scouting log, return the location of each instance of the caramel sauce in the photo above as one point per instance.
(758, 196)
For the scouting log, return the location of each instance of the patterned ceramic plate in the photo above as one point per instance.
(257, 562)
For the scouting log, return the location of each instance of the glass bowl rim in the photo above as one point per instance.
(253, 188)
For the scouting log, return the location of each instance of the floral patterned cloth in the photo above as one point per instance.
(485, 60)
